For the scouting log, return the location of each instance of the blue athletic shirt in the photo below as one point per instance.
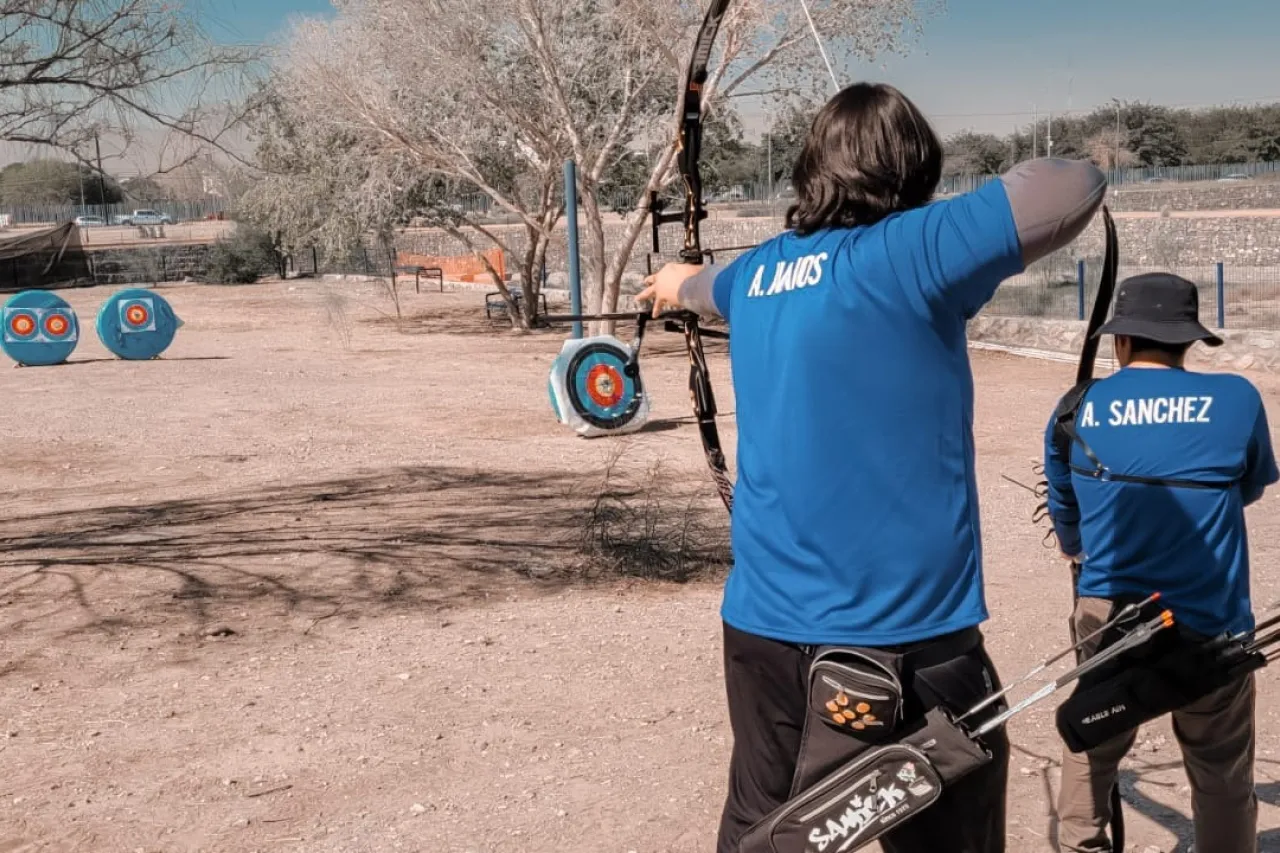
(855, 516)
(1188, 544)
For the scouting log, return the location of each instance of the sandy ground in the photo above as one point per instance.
(309, 583)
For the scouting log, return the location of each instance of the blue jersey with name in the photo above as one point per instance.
(855, 516)
(1188, 544)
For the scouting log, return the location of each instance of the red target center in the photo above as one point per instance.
(55, 324)
(604, 385)
(22, 324)
(136, 315)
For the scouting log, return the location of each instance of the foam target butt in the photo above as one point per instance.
(595, 390)
(40, 328)
(137, 324)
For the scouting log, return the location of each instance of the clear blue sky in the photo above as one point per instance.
(981, 60)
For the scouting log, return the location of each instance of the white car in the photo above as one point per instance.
(90, 221)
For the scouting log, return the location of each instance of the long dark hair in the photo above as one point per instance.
(870, 152)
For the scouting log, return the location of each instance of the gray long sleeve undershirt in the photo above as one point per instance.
(1052, 200)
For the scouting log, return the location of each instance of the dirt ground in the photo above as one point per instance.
(308, 582)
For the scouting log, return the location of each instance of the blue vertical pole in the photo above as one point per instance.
(571, 213)
(1080, 288)
(1222, 292)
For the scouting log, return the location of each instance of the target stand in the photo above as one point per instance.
(40, 329)
(137, 324)
(595, 387)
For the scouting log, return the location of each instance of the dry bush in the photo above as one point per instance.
(640, 526)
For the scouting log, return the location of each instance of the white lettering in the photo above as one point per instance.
(861, 813)
(1204, 413)
(790, 276)
(1160, 410)
(1086, 416)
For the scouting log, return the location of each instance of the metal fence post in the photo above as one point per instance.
(571, 211)
(1222, 290)
(1080, 288)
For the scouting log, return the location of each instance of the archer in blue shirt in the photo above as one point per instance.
(1148, 495)
(855, 514)
(1154, 418)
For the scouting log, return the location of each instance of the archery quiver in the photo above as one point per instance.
(1174, 670)
(885, 786)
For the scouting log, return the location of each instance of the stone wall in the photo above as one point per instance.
(1176, 238)
(1243, 349)
(1201, 195)
(149, 264)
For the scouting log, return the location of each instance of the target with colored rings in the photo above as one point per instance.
(57, 325)
(137, 316)
(137, 324)
(22, 325)
(600, 391)
(594, 391)
(40, 328)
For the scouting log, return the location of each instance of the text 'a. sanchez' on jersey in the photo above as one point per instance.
(1146, 411)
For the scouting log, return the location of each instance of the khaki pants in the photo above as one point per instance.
(1216, 735)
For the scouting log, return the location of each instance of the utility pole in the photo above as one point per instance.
(1117, 163)
(1048, 151)
(1035, 131)
(102, 183)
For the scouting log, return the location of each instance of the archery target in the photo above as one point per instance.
(137, 324)
(40, 328)
(592, 391)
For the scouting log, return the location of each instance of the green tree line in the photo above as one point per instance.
(1122, 134)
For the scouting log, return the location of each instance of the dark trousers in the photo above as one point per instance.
(766, 682)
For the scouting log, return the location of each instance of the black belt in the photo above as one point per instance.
(923, 653)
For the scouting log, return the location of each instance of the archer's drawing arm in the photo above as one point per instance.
(697, 293)
(1052, 201)
(1064, 511)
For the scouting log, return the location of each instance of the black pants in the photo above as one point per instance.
(767, 686)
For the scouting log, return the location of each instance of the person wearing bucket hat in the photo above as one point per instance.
(1149, 496)
(1159, 307)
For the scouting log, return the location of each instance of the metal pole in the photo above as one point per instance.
(571, 213)
(1080, 287)
(102, 181)
(1222, 289)
(1117, 163)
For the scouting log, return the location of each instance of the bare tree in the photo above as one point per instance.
(495, 96)
(74, 72)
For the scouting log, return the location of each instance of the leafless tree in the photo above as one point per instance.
(73, 72)
(495, 96)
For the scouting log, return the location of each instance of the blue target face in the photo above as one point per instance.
(600, 389)
(39, 328)
(137, 324)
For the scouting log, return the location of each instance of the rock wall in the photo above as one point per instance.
(149, 264)
(1176, 238)
(1242, 349)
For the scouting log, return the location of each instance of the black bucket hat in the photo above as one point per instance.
(1159, 306)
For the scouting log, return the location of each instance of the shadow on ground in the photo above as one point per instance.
(406, 539)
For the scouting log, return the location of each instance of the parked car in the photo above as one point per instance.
(90, 221)
(144, 217)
